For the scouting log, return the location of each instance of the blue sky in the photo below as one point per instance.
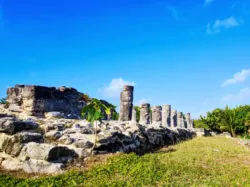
(193, 54)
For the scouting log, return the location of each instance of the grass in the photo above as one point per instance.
(211, 161)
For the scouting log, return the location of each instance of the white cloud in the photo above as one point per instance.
(213, 28)
(207, 2)
(174, 12)
(238, 77)
(114, 88)
(242, 97)
(141, 101)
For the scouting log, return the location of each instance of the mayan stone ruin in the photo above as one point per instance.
(166, 115)
(145, 114)
(42, 130)
(37, 100)
(126, 103)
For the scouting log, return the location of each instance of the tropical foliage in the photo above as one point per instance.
(95, 111)
(137, 109)
(3, 101)
(233, 120)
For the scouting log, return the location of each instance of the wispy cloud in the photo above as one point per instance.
(238, 98)
(238, 77)
(207, 2)
(217, 25)
(114, 88)
(174, 12)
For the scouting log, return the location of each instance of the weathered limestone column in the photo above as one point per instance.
(126, 103)
(156, 114)
(188, 121)
(182, 122)
(179, 120)
(134, 115)
(145, 114)
(174, 119)
(166, 115)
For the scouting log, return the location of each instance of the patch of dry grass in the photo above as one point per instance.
(203, 161)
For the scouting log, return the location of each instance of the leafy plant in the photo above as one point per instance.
(115, 116)
(137, 109)
(228, 121)
(3, 101)
(247, 124)
(233, 120)
(95, 112)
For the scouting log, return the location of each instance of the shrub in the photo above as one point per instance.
(3, 101)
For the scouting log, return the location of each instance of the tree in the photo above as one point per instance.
(241, 116)
(3, 101)
(198, 123)
(137, 109)
(95, 112)
(228, 121)
(247, 124)
(213, 119)
(233, 120)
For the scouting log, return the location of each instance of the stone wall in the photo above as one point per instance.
(47, 143)
(37, 100)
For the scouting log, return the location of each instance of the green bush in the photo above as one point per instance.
(232, 120)
(3, 101)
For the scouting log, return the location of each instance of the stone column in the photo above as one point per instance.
(145, 114)
(174, 119)
(188, 121)
(166, 115)
(134, 115)
(179, 120)
(126, 103)
(182, 122)
(156, 114)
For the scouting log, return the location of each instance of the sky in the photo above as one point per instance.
(192, 54)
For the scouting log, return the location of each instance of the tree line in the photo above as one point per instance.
(233, 120)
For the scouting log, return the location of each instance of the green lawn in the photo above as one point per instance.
(213, 161)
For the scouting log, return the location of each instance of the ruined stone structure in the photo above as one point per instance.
(174, 119)
(156, 114)
(49, 141)
(183, 122)
(134, 115)
(37, 100)
(166, 115)
(180, 120)
(188, 121)
(126, 103)
(145, 114)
